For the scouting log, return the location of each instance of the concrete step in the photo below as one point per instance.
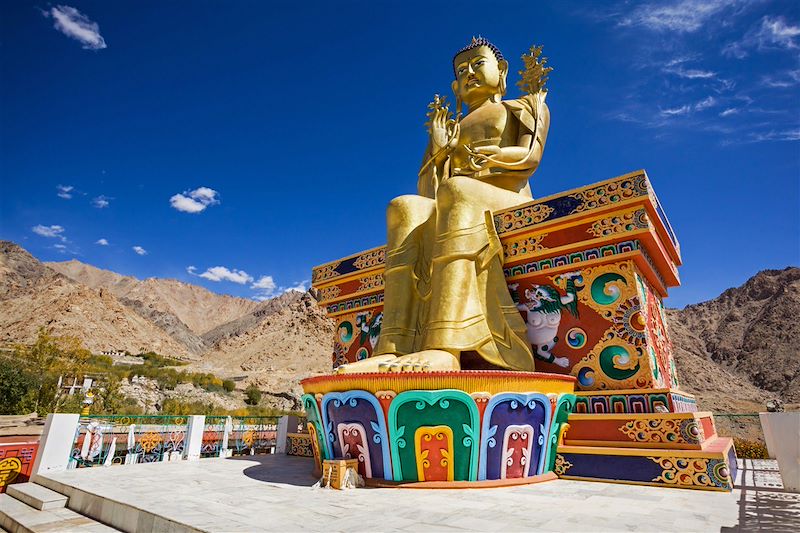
(37, 496)
(123, 516)
(19, 517)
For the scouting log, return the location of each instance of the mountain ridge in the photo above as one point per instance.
(733, 352)
(197, 307)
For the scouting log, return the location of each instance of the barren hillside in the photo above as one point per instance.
(750, 332)
(200, 309)
(279, 343)
(33, 296)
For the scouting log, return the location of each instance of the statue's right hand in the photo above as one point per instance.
(438, 130)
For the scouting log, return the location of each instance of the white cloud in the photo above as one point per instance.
(728, 112)
(51, 232)
(64, 191)
(684, 16)
(676, 111)
(101, 242)
(786, 79)
(221, 273)
(139, 250)
(301, 286)
(691, 73)
(191, 269)
(705, 103)
(785, 135)
(774, 33)
(267, 288)
(195, 201)
(265, 283)
(76, 25)
(101, 201)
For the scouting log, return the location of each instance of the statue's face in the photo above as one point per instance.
(478, 73)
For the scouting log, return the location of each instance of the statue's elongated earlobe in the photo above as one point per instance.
(503, 67)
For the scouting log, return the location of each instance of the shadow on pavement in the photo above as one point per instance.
(764, 505)
(283, 469)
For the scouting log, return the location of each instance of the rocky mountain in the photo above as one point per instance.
(273, 343)
(745, 341)
(278, 343)
(199, 309)
(33, 296)
(734, 352)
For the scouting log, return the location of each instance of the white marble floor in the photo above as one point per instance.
(274, 493)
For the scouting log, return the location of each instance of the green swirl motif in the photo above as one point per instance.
(347, 334)
(604, 288)
(611, 358)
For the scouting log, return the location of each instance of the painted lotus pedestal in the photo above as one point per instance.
(587, 269)
(454, 428)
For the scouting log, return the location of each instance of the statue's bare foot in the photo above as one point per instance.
(424, 361)
(371, 364)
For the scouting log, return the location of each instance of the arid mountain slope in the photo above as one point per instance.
(734, 352)
(282, 341)
(33, 296)
(750, 331)
(199, 309)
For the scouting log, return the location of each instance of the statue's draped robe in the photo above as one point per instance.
(444, 282)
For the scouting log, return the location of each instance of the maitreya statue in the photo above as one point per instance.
(446, 300)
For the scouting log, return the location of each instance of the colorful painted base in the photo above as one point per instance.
(449, 427)
(635, 401)
(688, 431)
(712, 468)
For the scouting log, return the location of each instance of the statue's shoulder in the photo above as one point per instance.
(529, 108)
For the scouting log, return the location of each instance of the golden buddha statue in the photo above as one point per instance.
(445, 297)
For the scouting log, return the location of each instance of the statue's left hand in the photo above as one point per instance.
(481, 157)
(509, 158)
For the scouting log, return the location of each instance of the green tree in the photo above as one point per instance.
(229, 385)
(252, 395)
(16, 384)
(48, 359)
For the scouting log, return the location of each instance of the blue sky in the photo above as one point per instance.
(266, 139)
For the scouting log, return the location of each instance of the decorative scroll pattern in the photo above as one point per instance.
(299, 444)
(611, 365)
(619, 223)
(521, 218)
(667, 430)
(355, 303)
(367, 283)
(524, 246)
(562, 466)
(370, 259)
(10, 468)
(610, 193)
(580, 256)
(328, 293)
(687, 471)
(325, 272)
(434, 451)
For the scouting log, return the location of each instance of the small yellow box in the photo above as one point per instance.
(334, 471)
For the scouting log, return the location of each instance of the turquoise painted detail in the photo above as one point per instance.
(346, 335)
(604, 291)
(564, 407)
(378, 427)
(456, 409)
(312, 413)
(612, 358)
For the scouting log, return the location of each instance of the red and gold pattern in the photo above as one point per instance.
(434, 453)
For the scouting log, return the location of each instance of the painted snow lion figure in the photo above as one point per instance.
(544, 305)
